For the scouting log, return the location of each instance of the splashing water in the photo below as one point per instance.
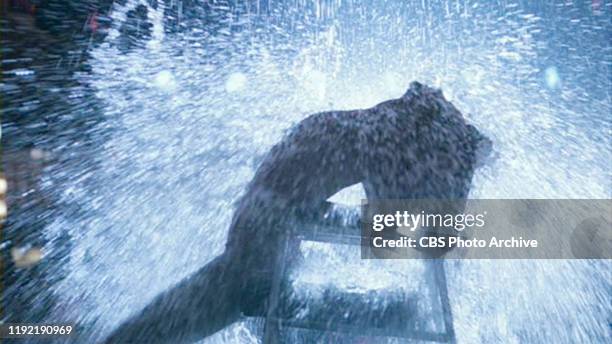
(189, 112)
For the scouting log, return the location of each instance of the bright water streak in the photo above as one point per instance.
(189, 114)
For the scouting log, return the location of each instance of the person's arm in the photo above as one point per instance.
(195, 308)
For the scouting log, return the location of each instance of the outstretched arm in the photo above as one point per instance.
(197, 307)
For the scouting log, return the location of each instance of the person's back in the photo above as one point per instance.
(414, 147)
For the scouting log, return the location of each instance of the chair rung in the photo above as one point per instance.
(384, 312)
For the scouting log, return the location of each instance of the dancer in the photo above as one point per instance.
(415, 147)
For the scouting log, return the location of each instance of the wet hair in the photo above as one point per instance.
(431, 150)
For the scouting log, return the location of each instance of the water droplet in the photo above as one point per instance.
(235, 82)
(552, 77)
(164, 80)
(315, 83)
(37, 154)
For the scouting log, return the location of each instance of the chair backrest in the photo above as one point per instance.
(355, 314)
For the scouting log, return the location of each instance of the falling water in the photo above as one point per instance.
(190, 105)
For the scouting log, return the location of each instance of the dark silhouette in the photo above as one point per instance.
(414, 147)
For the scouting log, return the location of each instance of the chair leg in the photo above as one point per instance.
(272, 327)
